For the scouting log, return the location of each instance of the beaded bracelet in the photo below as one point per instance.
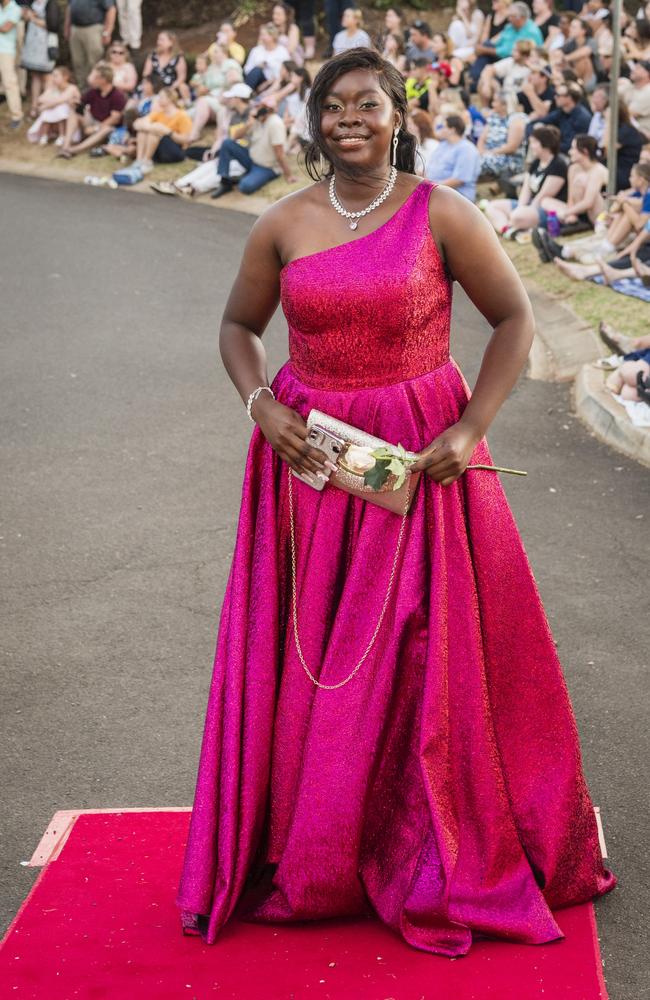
(253, 396)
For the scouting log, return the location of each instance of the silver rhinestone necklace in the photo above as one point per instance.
(355, 216)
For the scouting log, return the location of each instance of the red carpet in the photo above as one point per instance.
(100, 921)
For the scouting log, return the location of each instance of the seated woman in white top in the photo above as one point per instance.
(265, 58)
(353, 36)
(465, 29)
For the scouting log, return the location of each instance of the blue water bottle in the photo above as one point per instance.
(553, 225)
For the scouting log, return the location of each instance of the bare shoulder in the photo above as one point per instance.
(284, 215)
(453, 217)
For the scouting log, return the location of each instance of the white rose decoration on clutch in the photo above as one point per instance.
(357, 459)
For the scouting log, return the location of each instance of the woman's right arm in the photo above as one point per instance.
(525, 193)
(252, 301)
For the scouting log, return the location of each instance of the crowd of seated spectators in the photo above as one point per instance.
(517, 98)
(513, 101)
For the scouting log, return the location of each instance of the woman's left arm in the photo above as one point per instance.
(514, 138)
(181, 70)
(477, 262)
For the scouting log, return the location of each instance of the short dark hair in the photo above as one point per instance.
(455, 122)
(422, 27)
(548, 136)
(391, 82)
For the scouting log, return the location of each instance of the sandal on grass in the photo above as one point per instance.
(609, 337)
(164, 187)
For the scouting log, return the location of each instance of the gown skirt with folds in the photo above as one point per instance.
(442, 788)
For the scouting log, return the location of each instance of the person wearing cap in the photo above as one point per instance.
(537, 92)
(419, 43)
(204, 178)
(636, 94)
(263, 159)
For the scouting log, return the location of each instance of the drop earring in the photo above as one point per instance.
(395, 141)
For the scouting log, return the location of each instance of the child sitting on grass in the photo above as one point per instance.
(55, 105)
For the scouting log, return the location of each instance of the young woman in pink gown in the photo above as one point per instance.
(442, 787)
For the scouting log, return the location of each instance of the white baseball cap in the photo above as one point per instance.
(239, 90)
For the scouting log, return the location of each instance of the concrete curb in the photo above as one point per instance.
(563, 350)
(234, 202)
(563, 342)
(606, 418)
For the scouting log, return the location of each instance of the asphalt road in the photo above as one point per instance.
(123, 445)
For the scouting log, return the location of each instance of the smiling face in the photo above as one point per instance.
(358, 118)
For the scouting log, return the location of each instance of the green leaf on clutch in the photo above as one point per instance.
(377, 476)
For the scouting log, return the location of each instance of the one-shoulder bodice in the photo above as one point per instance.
(372, 311)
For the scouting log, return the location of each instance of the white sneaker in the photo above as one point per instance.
(43, 140)
(146, 166)
(59, 140)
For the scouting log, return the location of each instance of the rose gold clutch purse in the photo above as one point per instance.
(367, 466)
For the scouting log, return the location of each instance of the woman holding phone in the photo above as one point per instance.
(388, 728)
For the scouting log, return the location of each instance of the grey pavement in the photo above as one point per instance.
(122, 451)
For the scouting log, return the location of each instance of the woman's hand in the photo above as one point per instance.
(448, 455)
(286, 432)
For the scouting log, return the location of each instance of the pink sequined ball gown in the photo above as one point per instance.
(442, 788)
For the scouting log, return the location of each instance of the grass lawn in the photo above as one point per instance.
(16, 151)
(590, 302)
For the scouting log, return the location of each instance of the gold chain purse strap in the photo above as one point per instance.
(331, 687)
